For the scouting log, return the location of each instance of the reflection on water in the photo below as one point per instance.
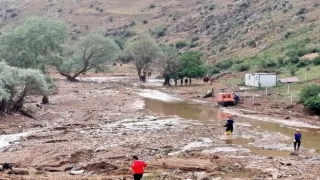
(209, 115)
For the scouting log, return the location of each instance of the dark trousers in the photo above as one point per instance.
(229, 128)
(137, 176)
(297, 142)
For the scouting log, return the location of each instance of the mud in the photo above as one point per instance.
(92, 129)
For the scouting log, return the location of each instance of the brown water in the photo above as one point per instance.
(209, 115)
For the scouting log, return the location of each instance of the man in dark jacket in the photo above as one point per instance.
(229, 124)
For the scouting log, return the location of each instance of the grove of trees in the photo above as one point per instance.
(28, 51)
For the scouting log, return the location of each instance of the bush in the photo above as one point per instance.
(212, 7)
(241, 67)
(301, 11)
(159, 32)
(129, 33)
(316, 61)
(293, 71)
(196, 38)
(16, 84)
(213, 70)
(193, 44)
(145, 21)
(310, 98)
(223, 65)
(181, 44)
(151, 6)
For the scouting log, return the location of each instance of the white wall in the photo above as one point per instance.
(266, 80)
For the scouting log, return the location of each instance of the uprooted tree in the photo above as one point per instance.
(37, 44)
(93, 51)
(16, 84)
(143, 52)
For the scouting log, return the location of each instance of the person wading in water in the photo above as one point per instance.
(297, 140)
(229, 125)
(137, 168)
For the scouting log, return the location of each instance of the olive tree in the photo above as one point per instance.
(168, 64)
(34, 44)
(143, 52)
(92, 51)
(37, 43)
(16, 84)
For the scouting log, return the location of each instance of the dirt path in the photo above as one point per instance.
(96, 127)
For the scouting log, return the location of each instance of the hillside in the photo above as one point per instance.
(222, 29)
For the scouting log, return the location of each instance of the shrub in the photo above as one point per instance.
(213, 70)
(316, 61)
(241, 67)
(212, 7)
(193, 44)
(159, 32)
(151, 6)
(196, 38)
(145, 21)
(252, 43)
(181, 44)
(301, 11)
(310, 97)
(293, 70)
(223, 65)
(129, 33)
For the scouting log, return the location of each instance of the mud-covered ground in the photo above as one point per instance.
(95, 126)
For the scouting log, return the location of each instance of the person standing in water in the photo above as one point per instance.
(297, 140)
(137, 168)
(229, 124)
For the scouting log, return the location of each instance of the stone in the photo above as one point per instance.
(18, 171)
(77, 172)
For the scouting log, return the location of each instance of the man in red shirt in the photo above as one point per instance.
(137, 168)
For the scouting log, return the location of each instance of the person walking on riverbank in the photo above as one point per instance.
(297, 140)
(137, 168)
(229, 125)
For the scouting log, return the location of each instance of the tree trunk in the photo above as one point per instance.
(175, 82)
(189, 80)
(69, 78)
(167, 81)
(181, 81)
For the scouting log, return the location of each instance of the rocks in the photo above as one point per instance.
(201, 176)
(77, 172)
(18, 171)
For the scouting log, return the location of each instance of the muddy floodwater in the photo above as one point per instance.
(214, 118)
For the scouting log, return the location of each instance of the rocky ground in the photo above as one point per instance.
(91, 130)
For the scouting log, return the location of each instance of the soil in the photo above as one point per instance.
(96, 125)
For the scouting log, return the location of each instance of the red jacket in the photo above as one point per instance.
(138, 167)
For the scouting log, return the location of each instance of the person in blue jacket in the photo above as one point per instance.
(297, 140)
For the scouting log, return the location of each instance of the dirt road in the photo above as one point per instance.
(97, 124)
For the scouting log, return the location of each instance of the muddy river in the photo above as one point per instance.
(212, 117)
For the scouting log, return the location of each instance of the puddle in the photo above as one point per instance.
(6, 139)
(254, 129)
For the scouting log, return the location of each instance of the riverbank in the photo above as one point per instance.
(96, 127)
